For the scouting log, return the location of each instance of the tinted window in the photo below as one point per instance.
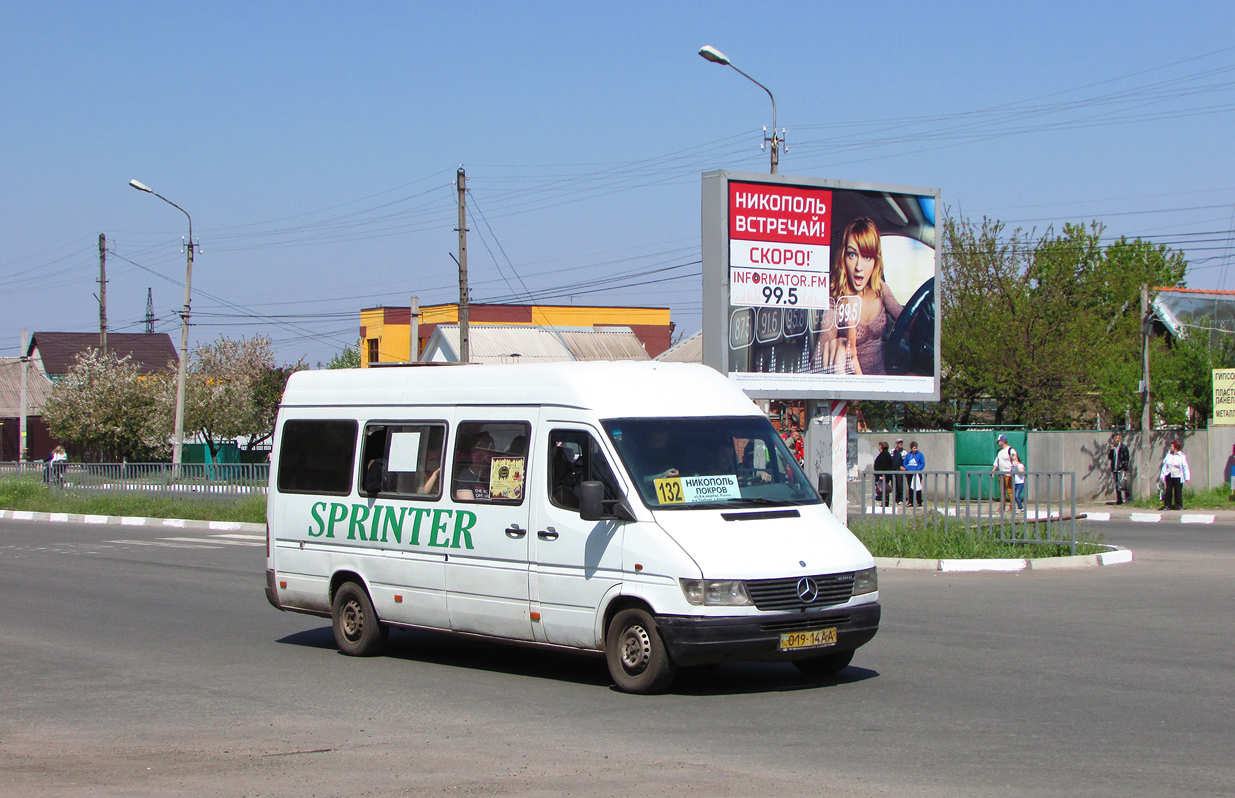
(403, 460)
(490, 462)
(317, 456)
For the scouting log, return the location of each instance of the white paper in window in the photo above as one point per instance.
(404, 451)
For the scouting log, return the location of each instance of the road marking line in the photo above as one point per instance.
(236, 536)
(1196, 519)
(225, 525)
(163, 544)
(1115, 557)
(62, 517)
(1098, 516)
(1145, 518)
(176, 522)
(94, 519)
(129, 520)
(23, 515)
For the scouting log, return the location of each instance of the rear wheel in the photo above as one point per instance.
(638, 660)
(826, 665)
(356, 628)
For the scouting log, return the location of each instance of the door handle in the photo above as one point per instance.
(513, 531)
(547, 534)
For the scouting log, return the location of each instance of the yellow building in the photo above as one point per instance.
(386, 332)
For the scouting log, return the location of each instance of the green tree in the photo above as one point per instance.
(349, 358)
(107, 410)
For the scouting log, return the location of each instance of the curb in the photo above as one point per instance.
(124, 520)
(1116, 556)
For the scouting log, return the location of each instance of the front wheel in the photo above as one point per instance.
(826, 665)
(638, 660)
(357, 630)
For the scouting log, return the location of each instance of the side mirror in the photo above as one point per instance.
(592, 500)
(592, 504)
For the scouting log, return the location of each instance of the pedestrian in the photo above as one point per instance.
(798, 445)
(915, 463)
(1117, 453)
(1003, 466)
(898, 464)
(883, 463)
(1018, 480)
(1174, 473)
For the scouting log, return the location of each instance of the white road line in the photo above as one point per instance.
(1196, 519)
(237, 536)
(1146, 518)
(163, 544)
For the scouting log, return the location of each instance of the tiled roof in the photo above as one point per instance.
(150, 351)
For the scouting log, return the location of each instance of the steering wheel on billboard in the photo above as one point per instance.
(910, 345)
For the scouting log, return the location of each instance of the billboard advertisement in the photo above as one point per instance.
(818, 289)
(1224, 396)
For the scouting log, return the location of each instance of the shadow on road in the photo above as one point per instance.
(585, 668)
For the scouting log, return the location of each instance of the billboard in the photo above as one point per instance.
(819, 289)
(1224, 396)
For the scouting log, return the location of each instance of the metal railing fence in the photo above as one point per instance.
(986, 503)
(195, 480)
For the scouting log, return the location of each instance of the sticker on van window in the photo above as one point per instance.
(692, 490)
(506, 478)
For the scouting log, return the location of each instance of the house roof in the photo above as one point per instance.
(38, 388)
(55, 351)
(688, 351)
(533, 344)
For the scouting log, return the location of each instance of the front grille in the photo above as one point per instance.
(804, 624)
(782, 594)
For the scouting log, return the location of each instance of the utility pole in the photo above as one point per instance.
(149, 311)
(1146, 327)
(461, 182)
(1146, 457)
(413, 336)
(22, 455)
(102, 293)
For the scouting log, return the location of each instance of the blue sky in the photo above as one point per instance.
(315, 144)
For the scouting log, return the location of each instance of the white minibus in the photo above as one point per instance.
(645, 510)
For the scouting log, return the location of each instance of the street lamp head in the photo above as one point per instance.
(712, 54)
(141, 186)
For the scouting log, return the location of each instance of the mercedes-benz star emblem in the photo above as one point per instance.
(808, 591)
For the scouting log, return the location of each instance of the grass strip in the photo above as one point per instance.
(1216, 498)
(28, 493)
(918, 538)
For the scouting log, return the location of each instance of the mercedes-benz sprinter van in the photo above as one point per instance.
(645, 510)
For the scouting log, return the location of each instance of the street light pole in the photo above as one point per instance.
(778, 138)
(178, 440)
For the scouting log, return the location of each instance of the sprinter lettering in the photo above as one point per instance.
(321, 523)
(447, 529)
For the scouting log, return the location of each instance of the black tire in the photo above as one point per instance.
(638, 660)
(826, 665)
(357, 631)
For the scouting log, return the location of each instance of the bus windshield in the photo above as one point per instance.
(691, 463)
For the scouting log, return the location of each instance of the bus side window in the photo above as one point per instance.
(316, 456)
(403, 459)
(490, 461)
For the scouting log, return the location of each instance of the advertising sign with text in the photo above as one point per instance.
(820, 289)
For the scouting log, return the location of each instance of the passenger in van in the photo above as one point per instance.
(750, 472)
(472, 481)
(433, 468)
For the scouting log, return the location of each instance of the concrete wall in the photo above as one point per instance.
(1211, 456)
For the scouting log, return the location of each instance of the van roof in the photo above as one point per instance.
(621, 389)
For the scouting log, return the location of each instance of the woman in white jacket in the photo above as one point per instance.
(1174, 473)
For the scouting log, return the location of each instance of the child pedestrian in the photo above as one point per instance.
(1018, 478)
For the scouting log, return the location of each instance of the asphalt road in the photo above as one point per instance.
(131, 665)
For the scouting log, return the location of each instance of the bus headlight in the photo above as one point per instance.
(716, 593)
(865, 582)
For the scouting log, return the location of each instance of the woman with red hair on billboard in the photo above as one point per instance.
(861, 304)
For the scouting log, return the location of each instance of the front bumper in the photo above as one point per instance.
(701, 640)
